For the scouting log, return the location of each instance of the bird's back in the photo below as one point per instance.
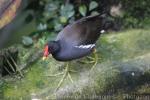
(78, 39)
(83, 31)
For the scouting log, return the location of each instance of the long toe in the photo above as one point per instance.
(95, 59)
(66, 74)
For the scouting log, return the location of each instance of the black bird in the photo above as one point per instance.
(78, 39)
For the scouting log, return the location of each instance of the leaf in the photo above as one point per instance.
(67, 11)
(50, 10)
(93, 13)
(63, 19)
(93, 5)
(42, 26)
(83, 10)
(51, 7)
(27, 41)
(8, 11)
(72, 19)
(58, 26)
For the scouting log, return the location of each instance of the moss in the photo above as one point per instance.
(124, 45)
(124, 59)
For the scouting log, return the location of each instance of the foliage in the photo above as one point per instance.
(123, 49)
(56, 14)
(83, 10)
(27, 41)
(137, 13)
(93, 5)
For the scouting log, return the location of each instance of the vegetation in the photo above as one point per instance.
(123, 65)
(136, 13)
(123, 69)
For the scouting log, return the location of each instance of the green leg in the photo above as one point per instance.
(91, 60)
(95, 59)
(65, 74)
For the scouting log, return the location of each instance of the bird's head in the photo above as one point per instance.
(50, 48)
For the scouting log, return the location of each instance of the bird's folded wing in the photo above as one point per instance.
(84, 31)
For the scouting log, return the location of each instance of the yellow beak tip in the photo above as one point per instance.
(44, 58)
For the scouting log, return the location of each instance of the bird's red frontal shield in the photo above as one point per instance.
(46, 52)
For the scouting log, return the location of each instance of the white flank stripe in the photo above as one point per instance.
(85, 46)
(102, 31)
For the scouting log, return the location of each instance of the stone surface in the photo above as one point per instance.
(122, 70)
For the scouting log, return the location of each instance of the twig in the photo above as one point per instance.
(9, 64)
(7, 70)
(17, 67)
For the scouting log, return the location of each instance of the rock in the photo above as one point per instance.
(122, 70)
(110, 78)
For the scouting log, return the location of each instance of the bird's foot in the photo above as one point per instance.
(65, 74)
(91, 59)
(58, 74)
(95, 59)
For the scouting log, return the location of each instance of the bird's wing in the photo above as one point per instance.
(83, 32)
(87, 46)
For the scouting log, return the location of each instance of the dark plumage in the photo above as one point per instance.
(78, 39)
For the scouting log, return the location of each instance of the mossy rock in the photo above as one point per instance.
(123, 68)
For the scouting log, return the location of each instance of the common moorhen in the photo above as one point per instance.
(78, 39)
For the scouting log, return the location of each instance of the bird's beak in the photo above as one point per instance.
(44, 58)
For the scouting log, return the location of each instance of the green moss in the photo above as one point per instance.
(120, 53)
(124, 45)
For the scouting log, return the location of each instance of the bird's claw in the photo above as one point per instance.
(65, 74)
